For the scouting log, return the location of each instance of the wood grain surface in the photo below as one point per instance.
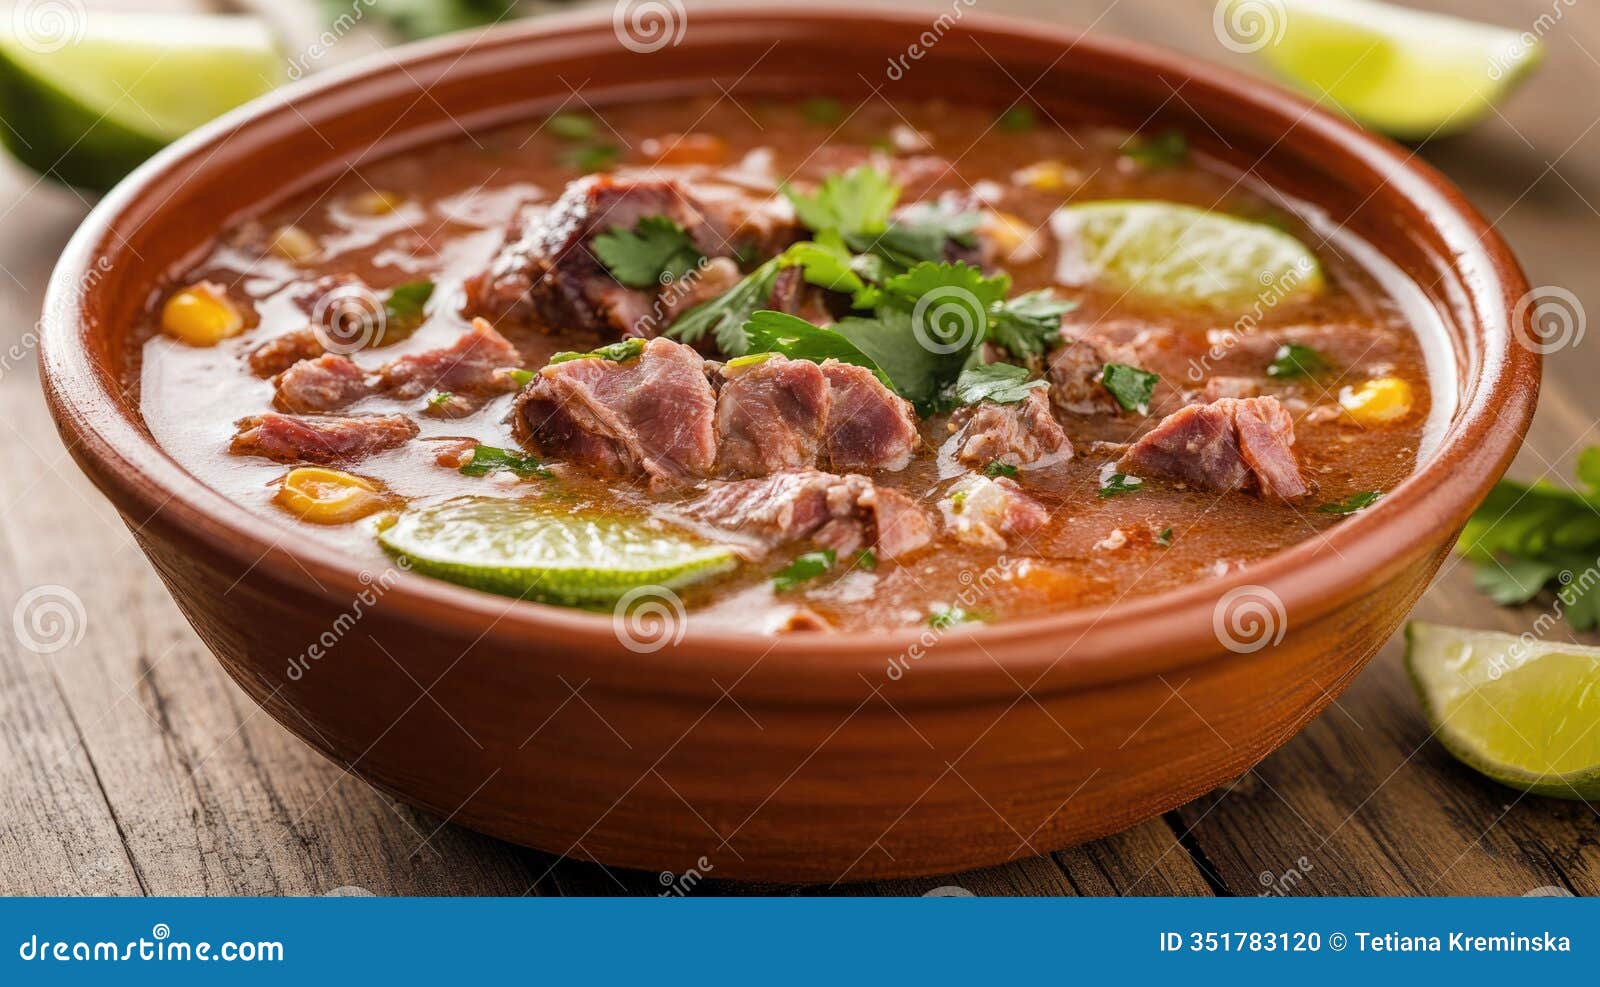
(130, 764)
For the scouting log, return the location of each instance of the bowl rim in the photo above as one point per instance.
(1128, 638)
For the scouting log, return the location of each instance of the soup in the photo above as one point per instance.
(798, 367)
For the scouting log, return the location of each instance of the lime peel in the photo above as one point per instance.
(1523, 712)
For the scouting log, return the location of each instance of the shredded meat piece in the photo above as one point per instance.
(470, 365)
(763, 513)
(1018, 434)
(1229, 444)
(326, 383)
(869, 426)
(322, 439)
(282, 352)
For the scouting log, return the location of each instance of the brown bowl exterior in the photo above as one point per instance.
(807, 758)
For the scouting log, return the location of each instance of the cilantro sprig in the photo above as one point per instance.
(1131, 387)
(489, 459)
(1002, 383)
(657, 249)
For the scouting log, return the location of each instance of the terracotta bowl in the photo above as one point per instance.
(809, 758)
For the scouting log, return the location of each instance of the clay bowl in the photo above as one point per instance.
(807, 758)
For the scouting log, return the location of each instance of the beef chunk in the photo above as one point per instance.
(282, 352)
(470, 365)
(763, 513)
(1229, 444)
(1019, 434)
(770, 416)
(326, 383)
(987, 513)
(546, 271)
(869, 426)
(326, 440)
(651, 415)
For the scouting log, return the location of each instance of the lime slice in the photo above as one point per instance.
(87, 96)
(1175, 253)
(1404, 72)
(1525, 713)
(540, 551)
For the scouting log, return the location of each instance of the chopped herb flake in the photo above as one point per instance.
(403, 311)
(570, 126)
(519, 376)
(440, 399)
(1351, 504)
(804, 567)
(867, 560)
(1018, 119)
(1131, 386)
(619, 352)
(997, 469)
(594, 157)
(488, 459)
(1119, 483)
(1163, 150)
(946, 617)
(823, 111)
(1164, 539)
(1294, 360)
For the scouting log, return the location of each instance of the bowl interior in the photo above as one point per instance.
(166, 215)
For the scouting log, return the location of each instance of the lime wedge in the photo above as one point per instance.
(1525, 713)
(1169, 252)
(540, 551)
(87, 96)
(1405, 72)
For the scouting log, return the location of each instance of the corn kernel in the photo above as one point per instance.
(326, 496)
(1048, 176)
(1380, 401)
(201, 315)
(1014, 239)
(294, 244)
(376, 203)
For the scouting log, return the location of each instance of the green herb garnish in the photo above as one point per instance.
(1163, 150)
(1353, 503)
(946, 617)
(725, 316)
(797, 339)
(1029, 324)
(823, 111)
(570, 126)
(1018, 119)
(1116, 484)
(1164, 539)
(440, 399)
(1294, 360)
(594, 157)
(488, 459)
(804, 567)
(413, 19)
(657, 250)
(998, 469)
(867, 560)
(403, 310)
(856, 201)
(621, 351)
(1131, 386)
(519, 376)
(921, 232)
(1002, 383)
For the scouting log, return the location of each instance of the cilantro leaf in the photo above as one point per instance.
(1029, 324)
(657, 248)
(999, 469)
(725, 316)
(1131, 386)
(1359, 501)
(825, 263)
(1002, 383)
(488, 459)
(804, 567)
(1294, 360)
(920, 374)
(1115, 484)
(403, 310)
(621, 351)
(857, 201)
(1514, 581)
(797, 339)
(929, 277)
(570, 126)
(921, 232)
(1164, 539)
(1163, 150)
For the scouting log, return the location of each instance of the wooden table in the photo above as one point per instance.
(130, 764)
